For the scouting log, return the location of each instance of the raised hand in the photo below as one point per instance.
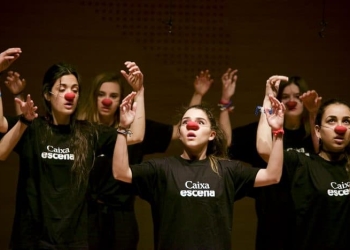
(8, 56)
(311, 101)
(228, 79)
(14, 83)
(275, 119)
(273, 83)
(127, 110)
(202, 83)
(27, 108)
(134, 75)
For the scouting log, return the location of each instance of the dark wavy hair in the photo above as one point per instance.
(303, 87)
(79, 141)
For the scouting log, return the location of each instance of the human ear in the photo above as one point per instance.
(212, 135)
(317, 131)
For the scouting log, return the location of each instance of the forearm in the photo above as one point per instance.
(3, 121)
(121, 169)
(273, 172)
(196, 99)
(263, 136)
(139, 124)
(225, 124)
(10, 139)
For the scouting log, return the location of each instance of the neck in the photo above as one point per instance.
(331, 156)
(292, 123)
(194, 155)
(109, 121)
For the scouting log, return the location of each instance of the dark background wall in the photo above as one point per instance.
(258, 37)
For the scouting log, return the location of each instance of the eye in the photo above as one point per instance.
(100, 94)
(201, 122)
(331, 121)
(184, 122)
(115, 96)
(347, 121)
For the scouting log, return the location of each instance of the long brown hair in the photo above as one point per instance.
(89, 111)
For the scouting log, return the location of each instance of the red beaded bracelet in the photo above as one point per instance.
(278, 131)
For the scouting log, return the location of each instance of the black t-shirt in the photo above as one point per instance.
(192, 206)
(50, 208)
(320, 191)
(274, 206)
(105, 188)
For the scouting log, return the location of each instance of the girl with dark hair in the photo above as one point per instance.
(56, 153)
(192, 195)
(320, 183)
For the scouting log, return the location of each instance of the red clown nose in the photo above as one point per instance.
(192, 125)
(340, 129)
(69, 96)
(107, 102)
(291, 104)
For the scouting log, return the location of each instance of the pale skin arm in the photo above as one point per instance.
(134, 77)
(228, 79)
(121, 168)
(8, 56)
(11, 138)
(264, 137)
(3, 121)
(201, 84)
(16, 85)
(273, 172)
(312, 103)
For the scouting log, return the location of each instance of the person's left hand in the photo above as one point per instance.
(14, 83)
(229, 79)
(127, 110)
(311, 101)
(276, 118)
(134, 75)
(27, 108)
(8, 56)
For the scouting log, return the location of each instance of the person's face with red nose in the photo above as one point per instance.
(108, 101)
(290, 98)
(63, 98)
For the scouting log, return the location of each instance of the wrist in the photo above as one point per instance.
(225, 105)
(124, 131)
(24, 120)
(278, 132)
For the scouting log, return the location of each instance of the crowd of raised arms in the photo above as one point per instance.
(81, 165)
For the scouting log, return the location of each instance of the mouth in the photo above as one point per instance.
(68, 105)
(191, 135)
(339, 140)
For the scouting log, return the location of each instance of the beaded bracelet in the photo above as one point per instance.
(226, 105)
(124, 131)
(260, 109)
(278, 132)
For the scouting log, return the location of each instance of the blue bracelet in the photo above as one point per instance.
(260, 109)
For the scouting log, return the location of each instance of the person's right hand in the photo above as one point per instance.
(273, 83)
(14, 83)
(202, 83)
(276, 118)
(27, 108)
(8, 56)
(127, 110)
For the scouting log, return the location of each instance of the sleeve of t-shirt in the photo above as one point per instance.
(106, 140)
(157, 137)
(146, 178)
(11, 121)
(242, 178)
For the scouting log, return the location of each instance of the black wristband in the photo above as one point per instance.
(24, 120)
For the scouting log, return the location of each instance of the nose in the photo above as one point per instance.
(69, 96)
(107, 102)
(192, 125)
(340, 130)
(291, 104)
